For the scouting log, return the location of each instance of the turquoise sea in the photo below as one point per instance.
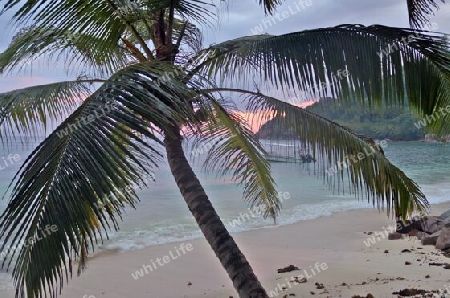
(163, 217)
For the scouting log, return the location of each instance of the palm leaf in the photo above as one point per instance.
(88, 52)
(237, 151)
(381, 67)
(269, 5)
(81, 176)
(99, 20)
(199, 11)
(105, 20)
(419, 11)
(25, 110)
(373, 176)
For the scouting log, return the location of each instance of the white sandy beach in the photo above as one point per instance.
(352, 268)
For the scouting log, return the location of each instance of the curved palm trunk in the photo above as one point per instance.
(232, 259)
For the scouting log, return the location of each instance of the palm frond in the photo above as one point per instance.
(341, 150)
(235, 150)
(269, 5)
(381, 64)
(83, 50)
(105, 20)
(25, 111)
(420, 10)
(189, 35)
(89, 20)
(198, 11)
(81, 176)
(185, 33)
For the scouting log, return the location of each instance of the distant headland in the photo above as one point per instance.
(395, 122)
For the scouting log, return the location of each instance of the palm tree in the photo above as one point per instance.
(146, 82)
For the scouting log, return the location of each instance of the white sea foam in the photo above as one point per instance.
(437, 193)
(175, 232)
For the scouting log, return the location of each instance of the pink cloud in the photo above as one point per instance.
(305, 104)
(256, 119)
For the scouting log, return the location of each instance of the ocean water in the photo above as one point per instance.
(162, 215)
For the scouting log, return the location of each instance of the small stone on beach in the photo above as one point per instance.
(410, 292)
(395, 236)
(319, 286)
(288, 269)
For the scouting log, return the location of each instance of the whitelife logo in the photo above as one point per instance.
(165, 260)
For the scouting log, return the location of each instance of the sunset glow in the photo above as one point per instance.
(255, 120)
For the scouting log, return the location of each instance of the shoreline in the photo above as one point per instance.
(107, 251)
(338, 240)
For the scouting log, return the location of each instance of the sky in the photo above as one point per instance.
(240, 18)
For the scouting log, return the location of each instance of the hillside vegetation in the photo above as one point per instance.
(395, 122)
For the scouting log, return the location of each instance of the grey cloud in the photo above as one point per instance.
(245, 15)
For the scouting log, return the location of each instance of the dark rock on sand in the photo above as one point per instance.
(427, 224)
(446, 253)
(430, 230)
(410, 292)
(430, 224)
(444, 215)
(408, 226)
(446, 222)
(319, 286)
(395, 236)
(420, 235)
(288, 269)
(443, 241)
(431, 239)
(300, 281)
